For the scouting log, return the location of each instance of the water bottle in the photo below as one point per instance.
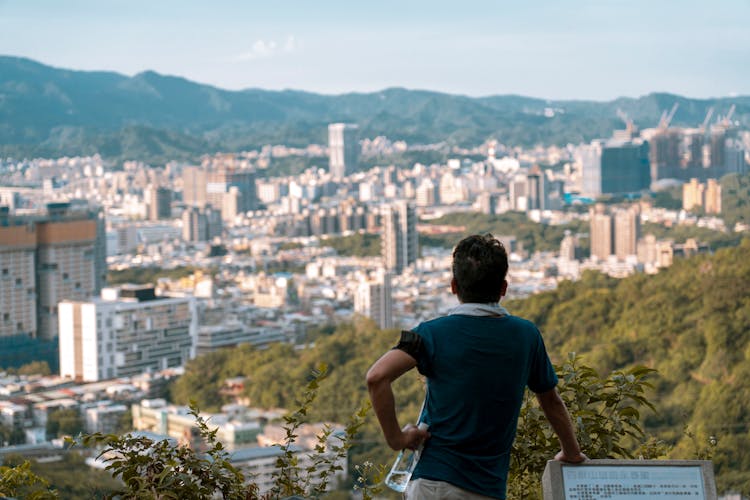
(404, 466)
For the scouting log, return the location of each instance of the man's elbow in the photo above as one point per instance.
(375, 377)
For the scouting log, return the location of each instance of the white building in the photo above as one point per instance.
(343, 149)
(126, 332)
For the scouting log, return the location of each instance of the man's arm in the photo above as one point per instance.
(557, 413)
(388, 368)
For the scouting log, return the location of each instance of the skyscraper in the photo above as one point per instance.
(343, 149)
(601, 232)
(400, 239)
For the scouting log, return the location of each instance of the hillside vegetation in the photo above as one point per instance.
(690, 322)
(46, 111)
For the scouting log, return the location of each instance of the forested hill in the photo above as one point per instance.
(46, 111)
(691, 322)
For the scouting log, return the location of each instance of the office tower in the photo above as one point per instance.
(46, 257)
(615, 167)
(160, 203)
(374, 299)
(601, 232)
(627, 232)
(126, 332)
(536, 189)
(343, 149)
(400, 239)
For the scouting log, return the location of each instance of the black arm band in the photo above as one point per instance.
(410, 343)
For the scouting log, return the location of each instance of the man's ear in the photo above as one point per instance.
(454, 286)
(504, 288)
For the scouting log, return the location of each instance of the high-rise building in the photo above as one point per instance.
(692, 194)
(201, 224)
(536, 189)
(703, 196)
(126, 332)
(615, 167)
(194, 186)
(602, 231)
(627, 232)
(219, 184)
(712, 203)
(400, 239)
(160, 203)
(569, 247)
(343, 149)
(665, 153)
(517, 192)
(374, 299)
(47, 257)
(231, 190)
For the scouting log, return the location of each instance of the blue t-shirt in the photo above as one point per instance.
(477, 369)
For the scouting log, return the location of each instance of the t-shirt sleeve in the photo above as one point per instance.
(426, 350)
(542, 376)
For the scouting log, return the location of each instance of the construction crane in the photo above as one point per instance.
(727, 119)
(709, 114)
(625, 118)
(666, 119)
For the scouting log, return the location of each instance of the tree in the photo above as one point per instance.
(64, 422)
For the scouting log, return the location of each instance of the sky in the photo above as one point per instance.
(565, 49)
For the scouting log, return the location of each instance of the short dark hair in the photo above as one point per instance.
(480, 265)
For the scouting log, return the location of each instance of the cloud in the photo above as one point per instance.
(263, 49)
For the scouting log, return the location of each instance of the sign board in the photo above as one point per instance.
(628, 479)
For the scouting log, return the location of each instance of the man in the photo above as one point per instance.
(478, 361)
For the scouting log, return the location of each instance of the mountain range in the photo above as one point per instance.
(48, 112)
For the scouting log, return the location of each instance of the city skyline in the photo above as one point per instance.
(582, 50)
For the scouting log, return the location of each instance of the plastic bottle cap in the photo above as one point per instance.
(423, 426)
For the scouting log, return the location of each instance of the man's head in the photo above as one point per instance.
(480, 265)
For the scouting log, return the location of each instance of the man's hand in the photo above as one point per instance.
(411, 437)
(571, 459)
